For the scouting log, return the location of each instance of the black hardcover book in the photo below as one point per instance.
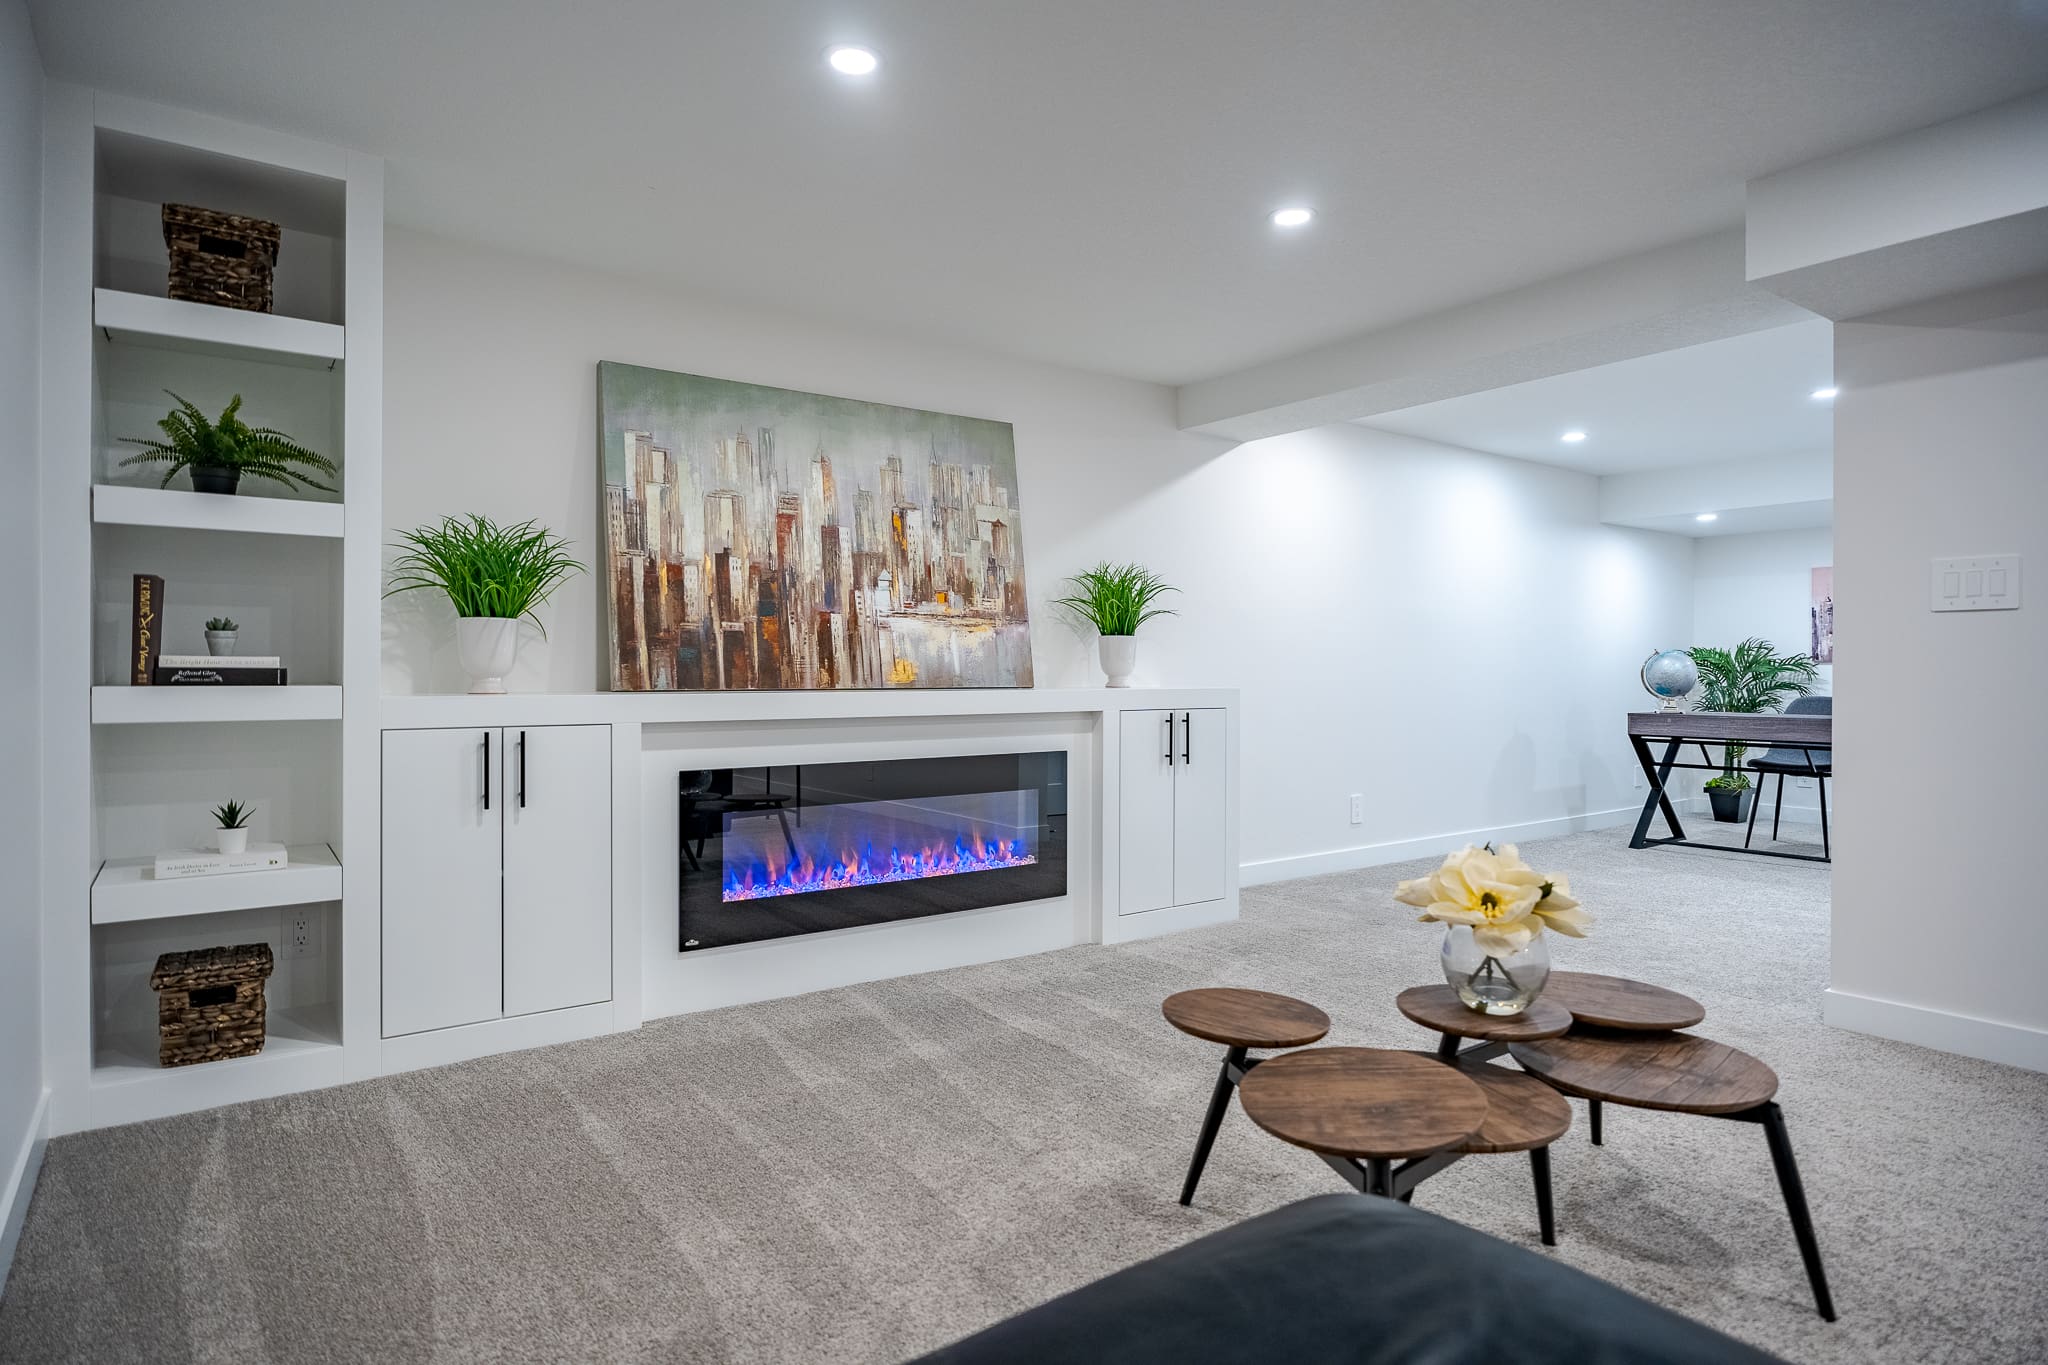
(146, 641)
(220, 677)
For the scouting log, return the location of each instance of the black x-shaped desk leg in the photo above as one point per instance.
(1658, 774)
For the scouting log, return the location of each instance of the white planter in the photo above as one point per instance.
(232, 840)
(1119, 655)
(219, 642)
(487, 646)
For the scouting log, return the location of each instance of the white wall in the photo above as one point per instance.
(1759, 585)
(21, 198)
(1452, 635)
(1938, 935)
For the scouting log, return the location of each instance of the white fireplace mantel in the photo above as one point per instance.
(437, 710)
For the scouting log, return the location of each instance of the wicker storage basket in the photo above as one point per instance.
(220, 258)
(209, 1003)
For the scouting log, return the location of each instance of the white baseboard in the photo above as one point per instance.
(1399, 851)
(2010, 1044)
(21, 1182)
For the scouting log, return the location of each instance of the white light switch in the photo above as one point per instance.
(1976, 583)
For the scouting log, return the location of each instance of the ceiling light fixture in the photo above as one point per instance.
(1292, 217)
(1573, 437)
(853, 61)
(1707, 516)
(1824, 394)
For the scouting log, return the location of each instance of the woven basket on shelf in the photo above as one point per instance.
(209, 1003)
(220, 258)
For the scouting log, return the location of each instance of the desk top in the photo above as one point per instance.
(1790, 731)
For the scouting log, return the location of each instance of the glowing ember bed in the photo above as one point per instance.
(769, 852)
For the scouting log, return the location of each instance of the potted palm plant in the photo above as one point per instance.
(218, 453)
(1116, 599)
(493, 576)
(1748, 679)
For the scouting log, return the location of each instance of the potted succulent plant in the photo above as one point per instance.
(493, 575)
(1116, 599)
(220, 635)
(218, 453)
(232, 822)
(1750, 678)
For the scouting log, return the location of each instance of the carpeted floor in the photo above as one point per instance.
(864, 1173)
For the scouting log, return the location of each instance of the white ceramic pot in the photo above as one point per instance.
(487, 645)
(1119, 658)
(232, 840)
(219, 642)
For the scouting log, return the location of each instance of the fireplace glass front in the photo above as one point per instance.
(797, 849)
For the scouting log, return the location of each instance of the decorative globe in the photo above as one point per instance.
(1668, 675)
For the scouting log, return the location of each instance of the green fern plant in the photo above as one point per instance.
(486, 569)
(1748, 679)
(231, 445)
(1117, 598)
(233, 815)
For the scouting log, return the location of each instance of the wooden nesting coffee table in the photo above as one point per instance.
(1240, 1019)
(1364, 1109)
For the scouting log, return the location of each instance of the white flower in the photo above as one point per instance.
(1504, 900)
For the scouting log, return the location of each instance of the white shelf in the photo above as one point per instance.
(301, 1051)
(166, 705)
(116, 505)
(146, 320)
(126, 889)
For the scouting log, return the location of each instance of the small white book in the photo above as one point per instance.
(197, 862)
(219, 661)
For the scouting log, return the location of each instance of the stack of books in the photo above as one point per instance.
(197, 862)
(232, 670)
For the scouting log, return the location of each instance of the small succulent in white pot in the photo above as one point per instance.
(231, 834)
(220, 635)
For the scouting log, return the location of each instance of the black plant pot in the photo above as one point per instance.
(1731, 807)
(215, 478)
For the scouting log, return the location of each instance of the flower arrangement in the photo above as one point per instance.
(1506, 905)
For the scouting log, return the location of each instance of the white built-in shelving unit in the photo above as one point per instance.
(131, 771)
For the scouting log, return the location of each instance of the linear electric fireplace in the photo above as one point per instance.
(769, 852)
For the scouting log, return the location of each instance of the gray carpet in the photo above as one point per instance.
(861, 1174)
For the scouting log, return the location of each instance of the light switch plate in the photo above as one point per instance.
(1975, 583)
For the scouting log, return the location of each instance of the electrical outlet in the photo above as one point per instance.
(1357, 808)
(301, 935)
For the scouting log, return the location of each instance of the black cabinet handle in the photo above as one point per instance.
(522, 770)
(1187, 737)
(1169, 739)
(487, 770)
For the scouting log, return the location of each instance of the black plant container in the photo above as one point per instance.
(1731, 807)
(215, 478)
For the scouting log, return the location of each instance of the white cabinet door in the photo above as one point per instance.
(558, 867)
(1201, 809)
(443, 798)
(1145, 811)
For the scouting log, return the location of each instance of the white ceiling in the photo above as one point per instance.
(1743, 397)
(1065, 179)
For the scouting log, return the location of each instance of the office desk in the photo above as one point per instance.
(1674, 730)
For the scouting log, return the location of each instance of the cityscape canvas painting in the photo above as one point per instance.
(761, 538)
(1821, 617)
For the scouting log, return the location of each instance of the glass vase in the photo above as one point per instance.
(1494, 983)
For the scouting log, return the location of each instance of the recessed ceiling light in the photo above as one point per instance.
(1707, 516)
(853, 61)
(1572, 437)
(1292, 217)
(1824, 394)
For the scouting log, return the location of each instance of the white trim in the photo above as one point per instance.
(516, 1033)
(21, 1182)
(1400, 850)
(2010, 1044)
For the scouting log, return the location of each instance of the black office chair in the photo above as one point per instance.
(1785, 763)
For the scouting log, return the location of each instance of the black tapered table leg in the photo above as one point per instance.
(1379, 1176)
(1825, 851)
(1593, 1112)
(1546, 1218)
(1773, 1120)
(1212, 1122)
(1777, 810)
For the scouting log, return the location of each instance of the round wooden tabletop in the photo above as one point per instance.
(1677, 1071)
(1521, 1111)
(1439, 1007)
(1236, 1017)
(1617, 1002)
(1363, 1102)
